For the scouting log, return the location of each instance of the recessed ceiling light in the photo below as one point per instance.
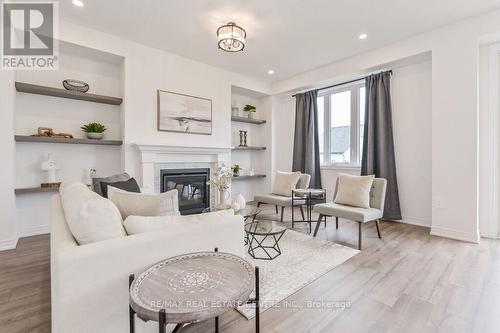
(363, 36)
(270, 72)
(78, 3)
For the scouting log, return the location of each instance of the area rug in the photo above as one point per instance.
(303, 260)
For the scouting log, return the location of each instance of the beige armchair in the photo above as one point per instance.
(284, 201)
(360, 215)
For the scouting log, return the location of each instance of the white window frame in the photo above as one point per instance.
(355, 158)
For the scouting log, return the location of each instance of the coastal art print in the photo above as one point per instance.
(184, 113)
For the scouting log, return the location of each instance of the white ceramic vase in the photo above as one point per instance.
(224, 196)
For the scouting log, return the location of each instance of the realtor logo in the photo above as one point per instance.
(29, 38)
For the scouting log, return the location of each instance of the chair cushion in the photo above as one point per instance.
(347, 212)
(285, 182)
(274, 199)
(354, 190)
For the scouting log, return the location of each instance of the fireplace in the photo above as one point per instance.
(194, 192)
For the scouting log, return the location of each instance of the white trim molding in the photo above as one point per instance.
(418, 221)
(454, 234)
(34, 230)
(8, 244)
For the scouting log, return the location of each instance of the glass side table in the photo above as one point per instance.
(311, 197)
(263, 238)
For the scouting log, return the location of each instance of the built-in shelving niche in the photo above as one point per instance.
(42, 101)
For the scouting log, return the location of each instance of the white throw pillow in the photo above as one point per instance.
(140, 224)
(90, 217)
(144, 204)
(285, 182)
(354, 190)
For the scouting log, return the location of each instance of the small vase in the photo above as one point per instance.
(250, 115)
(95, 136)
(223, 200)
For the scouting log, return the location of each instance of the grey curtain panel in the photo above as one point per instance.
(306, 139)
(378, 143)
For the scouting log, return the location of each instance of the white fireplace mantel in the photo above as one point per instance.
(152, 156)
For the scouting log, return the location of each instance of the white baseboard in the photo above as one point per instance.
(454, 234)
(8, 244)
(34, 230)
(418, 221)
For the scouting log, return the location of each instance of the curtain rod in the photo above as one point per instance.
(347, 82)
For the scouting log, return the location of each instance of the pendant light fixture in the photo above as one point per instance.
(231, 38)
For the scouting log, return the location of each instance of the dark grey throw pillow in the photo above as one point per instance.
(128, 185)
(96, 182)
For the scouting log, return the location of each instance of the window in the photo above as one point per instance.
(341, 120)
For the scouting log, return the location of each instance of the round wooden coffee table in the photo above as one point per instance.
(192, 287)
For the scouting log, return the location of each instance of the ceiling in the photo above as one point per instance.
(288, 36)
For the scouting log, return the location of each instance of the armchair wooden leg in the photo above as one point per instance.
(359, 236)
(276, 208)
(282, 213)
(317, 225)
(336, 222)
(378, 229)
(258, 204)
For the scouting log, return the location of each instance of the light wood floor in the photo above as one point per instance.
(406, 282)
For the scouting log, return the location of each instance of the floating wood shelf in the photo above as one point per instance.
(249, 177)
(248, 148)
(46, 139)
(248, 120)
(63, 93)
(35, 190)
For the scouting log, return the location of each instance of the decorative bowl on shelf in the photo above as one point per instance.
(95, 135)
(76, 85)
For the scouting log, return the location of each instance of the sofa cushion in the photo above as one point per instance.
(354, 190)
(127, 185)
(347, 212)
(90, 217)
(140, 224)
(96, 182)
(144, 204)
(278, 200)
(285, 182)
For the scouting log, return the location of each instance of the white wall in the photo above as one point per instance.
(454, 112)
(8, 236)
(412, 113)
(411, 99)
(137, 78)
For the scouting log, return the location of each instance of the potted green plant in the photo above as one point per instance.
(250, 109)
(236, 170)
(94, 130)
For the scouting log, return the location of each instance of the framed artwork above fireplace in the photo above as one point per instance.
(184, 113)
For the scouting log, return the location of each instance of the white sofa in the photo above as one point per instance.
(90, 282)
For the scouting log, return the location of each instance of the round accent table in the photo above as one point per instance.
(191, 288)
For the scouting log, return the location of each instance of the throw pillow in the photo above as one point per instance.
(140, 224)
(90, 217)
(354, 190)
(96, 182)
(128, 185)
(143, 204)
(285, 182)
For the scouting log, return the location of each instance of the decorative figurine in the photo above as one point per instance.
(50, 167)
(241, 138)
